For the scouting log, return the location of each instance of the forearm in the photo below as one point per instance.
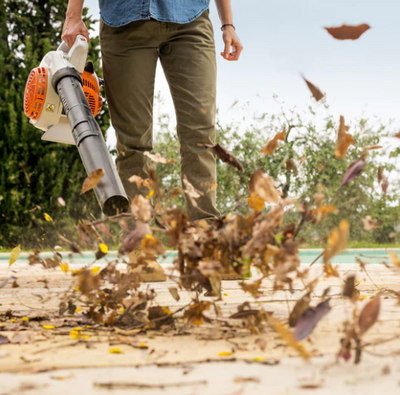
(74, 9)
(224, 11)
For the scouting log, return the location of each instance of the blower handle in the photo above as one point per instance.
(77, 54)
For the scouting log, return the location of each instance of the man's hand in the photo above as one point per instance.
(231, 40)
(72, 27)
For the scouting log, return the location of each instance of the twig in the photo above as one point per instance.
(74, 343)
(128, 344)
(114, 385)
(316, 259)
(112, 218)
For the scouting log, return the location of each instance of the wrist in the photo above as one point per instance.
(228, 26)
(74, 16)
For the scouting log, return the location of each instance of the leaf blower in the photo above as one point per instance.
(62, 97)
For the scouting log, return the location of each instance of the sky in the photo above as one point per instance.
(285, 39)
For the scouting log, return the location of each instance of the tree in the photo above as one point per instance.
(34, 173)
(303, 165)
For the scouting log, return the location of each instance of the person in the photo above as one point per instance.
(134, 35)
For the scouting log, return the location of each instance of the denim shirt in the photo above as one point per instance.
(121, 12)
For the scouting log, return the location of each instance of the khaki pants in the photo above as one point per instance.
(187, 54)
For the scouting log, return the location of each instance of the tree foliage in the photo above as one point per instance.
(302, 166)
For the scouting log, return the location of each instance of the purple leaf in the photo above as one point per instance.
(310, 318)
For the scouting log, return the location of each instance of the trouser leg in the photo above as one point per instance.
(188, 60)
(129, 55)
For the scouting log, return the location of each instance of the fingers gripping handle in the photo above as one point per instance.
(77, 54)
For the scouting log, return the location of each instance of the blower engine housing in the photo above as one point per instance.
(42, 104)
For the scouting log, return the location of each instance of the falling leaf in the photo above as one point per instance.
(394, 258)
(371, 224)
(102, 251)
(349, 290)
(256, 203)
(139, 181)
(299, 308)
(310, 318)
(141, 208)
(64, 267)
(337, 241)
(224, 155)
(385, 185)
(273, 144)
(134, 238)
(174, 293)
(261, 343)
(369, 314)
(190, 191)
(353, 171)
(330, 271)
(92, 180)
(318, 95)
(47, 217)
(371, 147)
(95, 269)
(263, 186)
(344, 140)
(347, 32)
(288, 337)
(157, 158)
(61, 201)
(15, 253)
(115, 351)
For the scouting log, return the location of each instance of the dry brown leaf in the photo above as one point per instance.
(290, 165)
(372, 147)
(318, 95)
(343, 140)
(369, 315)
(371, 224)
(394, 258)
(263, 186)
(337, 241)
(353, 171)
(310, 318)
(157, 158)
(224, 155)
(174, 293)
(256, 203)
(92, 180)
(141, 208)
(299, 308)
(331, 271)
(272, 145)
(303, 158)
(139, 181)
(288, 337)
(134, 238)
(347, 32)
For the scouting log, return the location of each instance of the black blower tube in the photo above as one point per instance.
(89, 140)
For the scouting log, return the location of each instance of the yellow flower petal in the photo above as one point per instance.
(48, 326)
(95, 269)
(64, 267)
(103, 248)
(26, 319)
(47, 217)
(115, 351)
(225, 353)
(14, 254)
